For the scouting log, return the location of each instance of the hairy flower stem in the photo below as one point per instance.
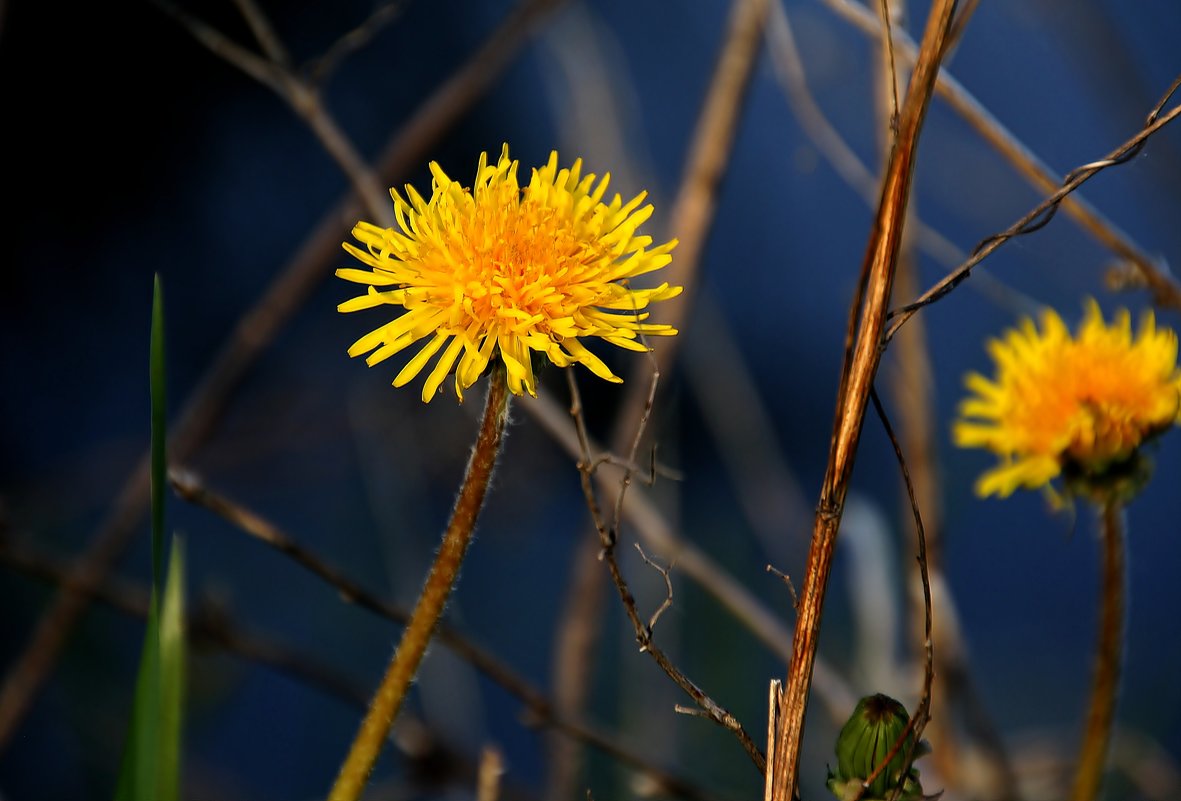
(1109, 656)
(354, 773)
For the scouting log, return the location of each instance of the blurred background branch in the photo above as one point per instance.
(242, 204)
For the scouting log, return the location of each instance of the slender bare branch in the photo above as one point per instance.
(922, 712)
(867, 317)
(256, 329)
(641, 425)
(912, 386)
(608, 537)
(789, 70)
(886, 14)
(658, 535)
(275, 72)
(958, 25)
(264, 33)
(259, 68)
(319, 69)
(1041, 214)
(691, 217)
(786, 579)
(692, 214)
(668, 585)
(1155, 275)
(192, 490)
(211, 627)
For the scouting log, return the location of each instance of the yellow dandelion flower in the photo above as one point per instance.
(1078, 407)
(501, 270)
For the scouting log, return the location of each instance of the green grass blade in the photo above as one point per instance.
(172, 677)
(151, 757)
(137, 772)
(150, 769)
(159, 429)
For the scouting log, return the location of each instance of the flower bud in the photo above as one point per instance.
(865, 741)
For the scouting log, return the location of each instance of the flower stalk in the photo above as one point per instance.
(387, 701)
(1109, 656)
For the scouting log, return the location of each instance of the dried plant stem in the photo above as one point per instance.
(958, 26)
(211, 627)
(1092, 759)
(692, 214)
(658, 535)
(912, 386)
(488, 777)
(250, 523)
(922, 713)
(354, 773)
(276, 72)
(890, 14)
(690, 220)
(1165, 287)
(790, 72)
(286, 294)
(608, 538)
(862, 355)
(573, 664)
(1041, 214)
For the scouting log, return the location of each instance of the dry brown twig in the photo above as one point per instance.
(912, 385)
(953, 677)
(958, 25)
(886, 13)
(540, 710)
(790, 72)
(1043, 212)
(692, 214)
(786, 579)
(862, 355)
(318, 70)
(253, 333)
(274, 71)
(1164, 286)
(922, 713)
(664, 572)
(488, 778)
(658, 534)
(608, 537)
(690, 218)
(214, 627)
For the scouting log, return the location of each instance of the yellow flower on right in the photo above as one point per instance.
(1076, 407)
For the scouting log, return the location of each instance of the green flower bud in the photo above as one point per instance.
(864, 742)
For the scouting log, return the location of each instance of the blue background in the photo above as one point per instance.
(129, 150)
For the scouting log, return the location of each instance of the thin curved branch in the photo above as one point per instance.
(255, 330)
(213, 628)
(1042, 213)
(608, 538)
(658, 535)
(867, 318)
(1155, 275)
(540, 709)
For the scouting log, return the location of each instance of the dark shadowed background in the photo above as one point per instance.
(129, 149)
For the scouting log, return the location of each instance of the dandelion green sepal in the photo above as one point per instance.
(869, 735)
